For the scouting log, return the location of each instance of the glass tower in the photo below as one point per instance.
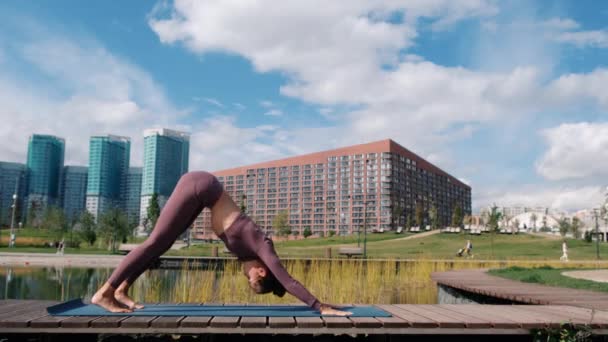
(133, 194)
(12, 181)
(108, 169)
(166, 154)
(45, 155)
(73, 191)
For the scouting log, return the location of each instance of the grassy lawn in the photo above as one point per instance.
(385, 245)
(547, 275)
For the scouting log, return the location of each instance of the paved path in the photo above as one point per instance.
(479, 282)
(600, 276)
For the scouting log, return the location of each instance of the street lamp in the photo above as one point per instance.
(597, 234)
(11, 240)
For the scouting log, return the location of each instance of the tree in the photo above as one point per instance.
(280, 223)
(88, 227)
(243, 205)
(332, 233)
(114, 228)
(564, 226)
(515, 224)
(434, 217)
(409, 222)
(397, 212)
(457, 216)
(153, 212)
(494, 217)
(533, 219)
(33, 213)
(306, 232)
(419, 212)
(575, 227)
(54, 220)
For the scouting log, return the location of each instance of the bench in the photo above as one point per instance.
(350, 251)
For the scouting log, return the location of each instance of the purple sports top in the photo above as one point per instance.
(245, 239)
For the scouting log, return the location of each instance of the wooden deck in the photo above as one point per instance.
(479, 282)
(30, 316)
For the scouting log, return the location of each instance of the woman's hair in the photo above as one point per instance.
(269, 283)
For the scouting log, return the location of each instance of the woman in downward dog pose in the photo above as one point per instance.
(195, 191)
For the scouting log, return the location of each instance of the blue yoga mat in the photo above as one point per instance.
(76, 307)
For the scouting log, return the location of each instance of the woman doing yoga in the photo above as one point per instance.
(195, 191)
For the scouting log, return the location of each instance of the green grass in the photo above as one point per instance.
(548, 275)
(390, 245)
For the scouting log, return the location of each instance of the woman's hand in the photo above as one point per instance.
(328, 310)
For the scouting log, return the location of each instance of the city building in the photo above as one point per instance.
(73, 191)
(108, 171)
(374, 186)
(166, 155)
(45, 155)
(133, 194)
(12, 182)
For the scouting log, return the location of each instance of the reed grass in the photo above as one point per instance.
(336, 281)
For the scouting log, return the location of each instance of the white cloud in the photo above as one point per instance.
(274, 112)
(239, 106)
(575, 151)
(267, 104)
(77, 89)
(335, 55)
(559, 197)
(213, 102)
(596, 38)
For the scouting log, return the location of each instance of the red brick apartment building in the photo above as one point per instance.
(339, 189)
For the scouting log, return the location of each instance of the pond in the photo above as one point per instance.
(336, 281)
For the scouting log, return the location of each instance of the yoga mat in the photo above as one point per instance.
(76, 307)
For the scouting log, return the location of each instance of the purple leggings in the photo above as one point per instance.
(194, 191)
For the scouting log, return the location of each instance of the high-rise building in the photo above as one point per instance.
(12, 182)
(73, 191)
(108, 170)
(166, 155)
(45, 155)
(373, 186)
(133, 194)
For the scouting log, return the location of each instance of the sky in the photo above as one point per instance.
(508, 96)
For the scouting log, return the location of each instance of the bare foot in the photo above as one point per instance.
(123, 298)
(108, 302)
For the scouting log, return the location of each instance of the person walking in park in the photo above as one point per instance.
(469, 248)
(195, 191)
(564, 256)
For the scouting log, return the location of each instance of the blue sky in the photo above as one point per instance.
(507, 96)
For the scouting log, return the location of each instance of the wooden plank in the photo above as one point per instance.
(470, 321)
(195, 322)
(393, 322)
(167, 322)
(47, 321)
(415, 320)
(23, 317)
(489, 312)
(137, 321)
(336, 322)
(253, 322)
(309, 322)
(27, 307)
(78, 321)
(444, 321)
(9, 306)
(224, 322)
(281, 322)
(530, 319)
(367, 322)
(568, 315)
(108, 321)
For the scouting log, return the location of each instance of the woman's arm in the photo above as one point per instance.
(267, 254)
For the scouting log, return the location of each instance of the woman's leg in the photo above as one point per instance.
(194, 192)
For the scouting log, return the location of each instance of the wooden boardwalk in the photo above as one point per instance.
(477, 281)
(30, 317)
